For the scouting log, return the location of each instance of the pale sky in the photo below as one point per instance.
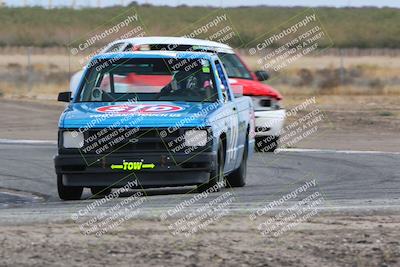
(224, 3)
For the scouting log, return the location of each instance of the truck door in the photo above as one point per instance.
(231, 120)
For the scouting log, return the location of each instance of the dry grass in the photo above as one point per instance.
(65, 61)
(315, 62)
(365, 75)
(380, 103)
(39, 91)
(288, 90)
(61, 62)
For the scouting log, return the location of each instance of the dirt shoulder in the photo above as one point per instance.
(233, 241)
(31, 120)
(350, 122)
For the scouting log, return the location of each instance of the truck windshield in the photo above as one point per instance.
(149, 79)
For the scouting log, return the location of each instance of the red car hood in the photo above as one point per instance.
(255, 88)
(250, 87)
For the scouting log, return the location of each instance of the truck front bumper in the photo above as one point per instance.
(178, 169)
(269, 123)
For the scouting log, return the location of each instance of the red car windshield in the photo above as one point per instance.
(234, 67)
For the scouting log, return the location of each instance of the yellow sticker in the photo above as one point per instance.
(206, 69)
(132, 166)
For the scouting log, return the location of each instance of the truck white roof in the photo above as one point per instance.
(165, 40)
(174, 54)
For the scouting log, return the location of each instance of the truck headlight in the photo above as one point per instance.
(196, 138)
(265, 103)
(72, 139)
(276, 104)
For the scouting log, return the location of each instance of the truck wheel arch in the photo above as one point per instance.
(222, 139)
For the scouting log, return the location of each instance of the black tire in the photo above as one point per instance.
(238, 177)
(68, 192)
(217, 175)
(100, 190)
(266, 143)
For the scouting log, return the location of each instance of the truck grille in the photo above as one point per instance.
(104, 141)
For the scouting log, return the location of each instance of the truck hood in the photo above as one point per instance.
(138, 114)
(255, 88)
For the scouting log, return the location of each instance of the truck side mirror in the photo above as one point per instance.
(64, 97)
(262, 75)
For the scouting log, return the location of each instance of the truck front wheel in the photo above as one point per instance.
(238, 177)
(68, 192)
(217, 175)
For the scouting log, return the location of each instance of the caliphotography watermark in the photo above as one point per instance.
(199, 211)
(287, 215)
(107, 213)
(216, 27)
(303, 121)
(101, 39)
(121, 131)
(301, 36)
(182, 137)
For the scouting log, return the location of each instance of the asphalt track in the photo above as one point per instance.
(348, 180)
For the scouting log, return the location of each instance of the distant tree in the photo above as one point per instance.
(133, 3)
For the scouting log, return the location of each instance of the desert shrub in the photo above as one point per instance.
(377, 85)
(58, 77)
(327, 79)
(355, 72)
(53, 67)
(306, 77)
(14, 66)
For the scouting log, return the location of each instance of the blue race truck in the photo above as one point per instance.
(153, 119)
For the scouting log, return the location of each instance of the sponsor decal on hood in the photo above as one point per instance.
(140, 108)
